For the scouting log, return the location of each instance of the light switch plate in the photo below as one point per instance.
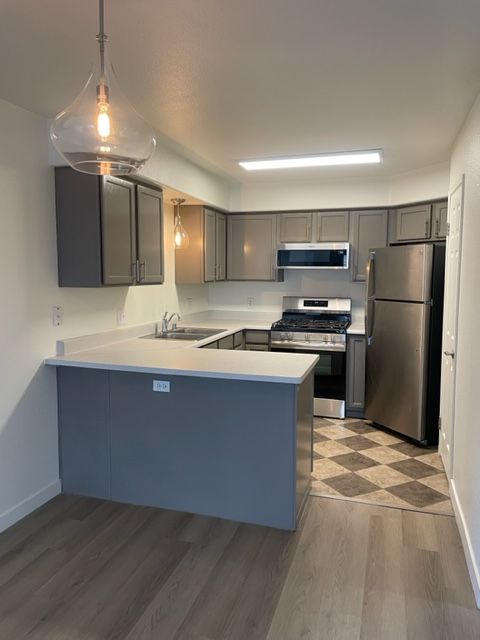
(161, 385)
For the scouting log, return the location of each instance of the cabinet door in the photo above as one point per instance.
(221, 246)
(209, 242)
(332, 226)
(226, 343)
(356, 352)
(118, 231)
(440, 213)
(149, 236)
(414, 223)
(251, 247)
(370, 230)
(295, 227)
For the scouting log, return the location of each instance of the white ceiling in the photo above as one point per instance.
(235, 79)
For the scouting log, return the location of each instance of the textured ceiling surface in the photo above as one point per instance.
(225, 80)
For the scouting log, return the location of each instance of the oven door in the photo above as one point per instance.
(329, 380)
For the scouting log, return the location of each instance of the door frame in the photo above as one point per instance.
(448, 463)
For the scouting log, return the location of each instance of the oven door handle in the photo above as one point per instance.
(281, 346)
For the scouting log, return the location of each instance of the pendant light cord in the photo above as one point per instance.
(101, 36)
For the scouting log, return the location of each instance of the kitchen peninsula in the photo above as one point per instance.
(166, 424)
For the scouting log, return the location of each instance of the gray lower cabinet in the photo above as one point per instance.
(295, 227)
(109, 231)
(204, 259)
(226, 343)
(413, 223)
(370, 231)
(251, 247)
(356, 356)
(332, 226)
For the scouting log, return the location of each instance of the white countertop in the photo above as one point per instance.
(137, 354)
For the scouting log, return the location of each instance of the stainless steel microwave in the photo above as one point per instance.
(318, 255)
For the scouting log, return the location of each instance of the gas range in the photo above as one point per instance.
(318, 325)
(313, 323)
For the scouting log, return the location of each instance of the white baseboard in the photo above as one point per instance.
(472, 564)
(23, 508)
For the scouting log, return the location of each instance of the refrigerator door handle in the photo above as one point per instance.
(369, 302)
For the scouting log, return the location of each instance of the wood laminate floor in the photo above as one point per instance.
(85, 569)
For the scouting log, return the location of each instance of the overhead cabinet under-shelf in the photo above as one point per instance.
(109, 231)
(204, 259)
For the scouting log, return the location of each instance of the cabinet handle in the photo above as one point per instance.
(437, 227)
(427, 228)
(135, 270)
(142, 266)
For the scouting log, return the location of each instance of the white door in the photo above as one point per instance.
(450, 315)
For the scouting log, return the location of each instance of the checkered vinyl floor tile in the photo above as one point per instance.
(357, 461)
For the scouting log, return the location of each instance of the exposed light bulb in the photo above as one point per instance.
(103, 120)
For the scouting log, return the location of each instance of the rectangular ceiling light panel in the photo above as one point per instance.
(371, 156)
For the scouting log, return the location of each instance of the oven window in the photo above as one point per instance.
(311, 257)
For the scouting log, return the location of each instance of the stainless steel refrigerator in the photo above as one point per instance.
(404, 310)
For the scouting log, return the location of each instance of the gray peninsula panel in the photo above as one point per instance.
(233, 449)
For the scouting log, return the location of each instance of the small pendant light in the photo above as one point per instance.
(100, 132)
(180, 236)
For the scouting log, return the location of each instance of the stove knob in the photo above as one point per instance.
(289, 335)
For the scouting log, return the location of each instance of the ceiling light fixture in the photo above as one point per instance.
(100, 132)
(371, 156)
(180, 236)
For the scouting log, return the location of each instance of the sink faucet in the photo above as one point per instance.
(166, 322)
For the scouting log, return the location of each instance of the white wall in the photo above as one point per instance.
(28, 288)
(268, 295)
(415, 186)
(466, 446)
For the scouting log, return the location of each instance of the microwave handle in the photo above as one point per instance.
(369, 297)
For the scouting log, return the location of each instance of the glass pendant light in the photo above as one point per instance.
(180, 236)
(100, 132)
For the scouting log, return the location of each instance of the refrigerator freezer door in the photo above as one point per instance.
(396, 367)
(403, 273)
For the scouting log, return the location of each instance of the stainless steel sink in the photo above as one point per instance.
(185, 333)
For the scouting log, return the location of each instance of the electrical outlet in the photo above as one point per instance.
(189, 303)
(121, 316)
(57, 316)
(161, 385)
(250, 302)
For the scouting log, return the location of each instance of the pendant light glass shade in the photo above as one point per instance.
(180, 236)
(100, 132)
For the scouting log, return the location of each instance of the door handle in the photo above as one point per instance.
(450, 354)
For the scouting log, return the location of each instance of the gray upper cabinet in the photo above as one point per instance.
(440, 217)
(221, 246)
(149, 235)
(413, 223)
(204, 258)
(332, 226)
(251, 247)
(118, 232)
(356, 355)
(209, 253)
(109, 231)
(294, 227)
(370, 229)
